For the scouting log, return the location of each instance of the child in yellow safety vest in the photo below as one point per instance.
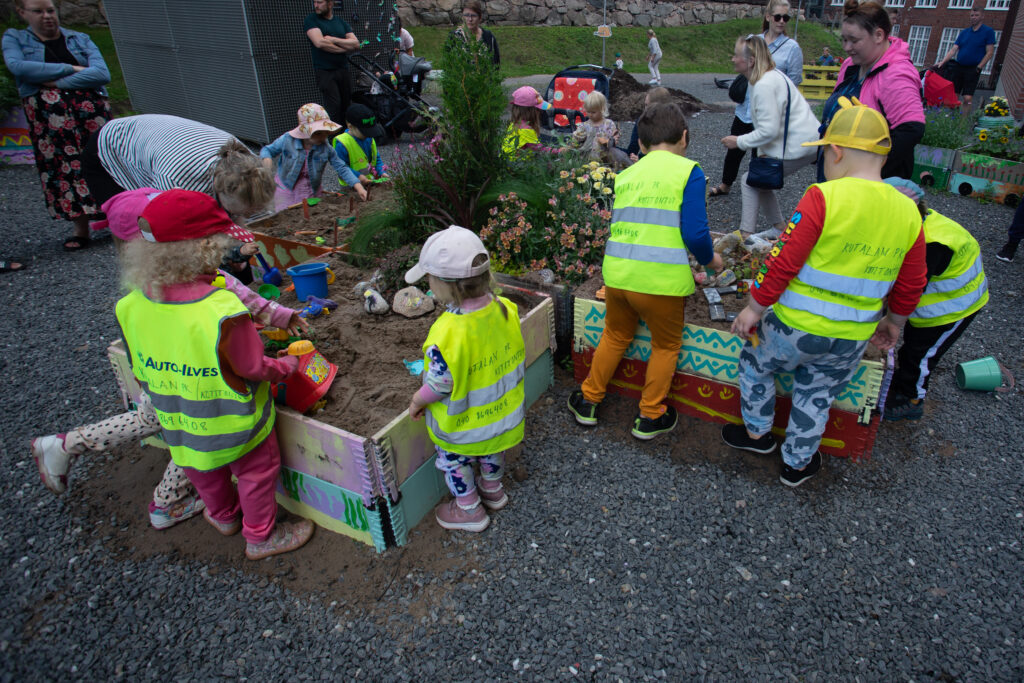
(853, 246)
(357, 146)
(659, 217)
(473, 381)
(194, 350)
(956, 291)
(524, 126)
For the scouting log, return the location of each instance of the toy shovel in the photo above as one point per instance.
(272, 276)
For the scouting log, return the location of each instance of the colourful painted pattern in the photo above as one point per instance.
(715, 354)
(15, 143)
(980, 175)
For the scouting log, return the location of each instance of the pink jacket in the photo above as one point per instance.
(893, 87)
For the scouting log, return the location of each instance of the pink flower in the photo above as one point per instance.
(92, 126)
(50, 95)
(87, 106)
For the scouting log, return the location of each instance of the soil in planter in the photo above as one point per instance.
(323, 217)
(626, 102)
(372, 385)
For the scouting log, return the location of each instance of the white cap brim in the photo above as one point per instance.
(415, 274)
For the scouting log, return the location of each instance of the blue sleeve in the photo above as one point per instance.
(340, 150)
(274, 149)
(343, 170)
(693, 220)
(27, 70)
(94, 75)
(990, 39)
(380, 161)
(634, 142)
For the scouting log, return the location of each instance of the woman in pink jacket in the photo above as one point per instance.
(878, 71)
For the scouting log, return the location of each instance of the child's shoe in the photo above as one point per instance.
(186, 508)
(1008, 251)
(53, 461)
(493, 499)
(899, 407)
(737, 437)
(646, 429)
(225, 528)
(792, 477)
(583, 410)
(287, 536)
(451, 515)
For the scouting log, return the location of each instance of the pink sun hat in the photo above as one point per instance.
(312, 118)
(526, 96)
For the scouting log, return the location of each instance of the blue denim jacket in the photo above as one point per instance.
(290, 156)
(25, 56)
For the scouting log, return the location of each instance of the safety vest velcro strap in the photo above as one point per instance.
(479, 434)
(215, 407)
(844, 284)
(211, 443)
(827, 309)
(635, 214)
(639, 252)
(955, 305)
(955, 283)
(486, 395)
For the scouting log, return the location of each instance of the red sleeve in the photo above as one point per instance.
(911, 281)
(241, 351)
(790, 253)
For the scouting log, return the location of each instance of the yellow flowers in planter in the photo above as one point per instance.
(983, 134)
(997, 106)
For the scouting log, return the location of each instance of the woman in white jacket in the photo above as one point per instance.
(769, 91)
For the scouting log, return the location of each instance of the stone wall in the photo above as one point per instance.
(77, 12)
(578, 12)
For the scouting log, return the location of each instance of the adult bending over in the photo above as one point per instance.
(60, 76)
(769, 91)
(879, 73)
(331, 39)
(788, 59)
(472, 15)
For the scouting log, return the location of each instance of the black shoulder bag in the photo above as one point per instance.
(765, 173)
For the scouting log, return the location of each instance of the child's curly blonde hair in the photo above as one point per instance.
(151, 266)
(238, 173)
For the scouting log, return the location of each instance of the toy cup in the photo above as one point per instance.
(269, 292)
(983, 374)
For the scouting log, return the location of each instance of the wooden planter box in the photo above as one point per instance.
(978, 175)
(15, 141)
(818, 81)
(932, 165)
(371, 488)
(706, 382)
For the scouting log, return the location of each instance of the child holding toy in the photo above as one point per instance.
(303, 153)
(524, 127)
(473, 383)
(357, 146)
(853, 246)
(957, 290)
(598, 135)
(659, 214)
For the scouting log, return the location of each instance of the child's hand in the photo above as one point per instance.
(717, 264)
(363, 178)
(746, 323)
(249, 249)
(886, 334)
(416, 410)
(602, 140)
(634, 158)
(297, 326)
(361, 191)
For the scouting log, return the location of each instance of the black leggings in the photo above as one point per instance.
(733, 157)
(101, 185)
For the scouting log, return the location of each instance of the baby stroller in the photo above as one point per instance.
(566, 93)
(395, 98)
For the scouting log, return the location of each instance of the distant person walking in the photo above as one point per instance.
(970, 53)
(331, 39)
(472, 15)
(653, 57)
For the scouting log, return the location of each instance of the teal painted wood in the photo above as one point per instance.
(420, 493)
(377, 529)
(539, 377)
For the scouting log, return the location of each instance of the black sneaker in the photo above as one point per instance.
(899, 407)
(1007, 253)
(791, 477)
(583, 410)
(737, 437)
(645, 428)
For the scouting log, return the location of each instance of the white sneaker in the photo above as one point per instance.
(53, 461)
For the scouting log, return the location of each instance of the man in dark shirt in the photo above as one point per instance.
(331, 38)
(973, 50)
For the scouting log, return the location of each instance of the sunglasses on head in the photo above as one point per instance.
(781, 17)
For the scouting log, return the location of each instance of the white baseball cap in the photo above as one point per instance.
(449, 255)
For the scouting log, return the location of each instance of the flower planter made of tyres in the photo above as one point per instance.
(706, 384)
(373, 489)
(932, 165)
(991, 123)
(978, 175)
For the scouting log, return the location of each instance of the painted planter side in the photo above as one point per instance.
(979, 175)
(563, 312)
(282, 253)
(15, 142)
(932, 165)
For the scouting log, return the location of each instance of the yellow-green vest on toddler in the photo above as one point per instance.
(516, 138)
(962, 289)
(869, 228)
(487, 358)
(645, 250)
(357, 160)
(172, 348)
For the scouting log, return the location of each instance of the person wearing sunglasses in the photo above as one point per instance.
(472, 15)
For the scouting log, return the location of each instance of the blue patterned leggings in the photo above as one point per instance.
(821, 367)
(458, 470)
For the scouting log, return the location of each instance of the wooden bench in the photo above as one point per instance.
(819, 81)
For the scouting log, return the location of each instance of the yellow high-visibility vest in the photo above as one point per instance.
(962, 288)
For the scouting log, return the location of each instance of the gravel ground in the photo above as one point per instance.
(614, 560)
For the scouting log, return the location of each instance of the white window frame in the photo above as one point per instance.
(895, 3)
(960, 4)
(917, 41)
(949, 36)
(838, 3)
(998, 5)
(995, 48)
(926, 4)
(895, 32)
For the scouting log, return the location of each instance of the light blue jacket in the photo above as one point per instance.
(290, 156)
(25, 56)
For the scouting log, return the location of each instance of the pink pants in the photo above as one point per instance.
(283, 197)
(257, 473)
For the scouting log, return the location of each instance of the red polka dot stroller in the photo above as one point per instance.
(566, 93)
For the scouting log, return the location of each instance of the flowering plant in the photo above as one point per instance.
(997, 106)
(1000, 142)
(944, 127)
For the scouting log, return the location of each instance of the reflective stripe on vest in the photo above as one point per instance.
(645, 250)
(867, 231)
(216, 442)
(962, 288)
(486, 357)
(357, 160)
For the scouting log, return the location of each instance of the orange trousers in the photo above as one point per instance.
(665, 316)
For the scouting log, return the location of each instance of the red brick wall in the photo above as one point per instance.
(1013, 68)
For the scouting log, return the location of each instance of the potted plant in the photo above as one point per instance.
(991, 167)
(995, 115)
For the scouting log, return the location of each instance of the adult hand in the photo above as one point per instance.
(746, 323)
(730, 142)
(361, 191)
(297, 325)
(886, 334)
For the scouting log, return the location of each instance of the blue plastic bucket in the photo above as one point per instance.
(311, 279)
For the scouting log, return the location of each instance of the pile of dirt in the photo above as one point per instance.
(323, 216)
(627, 98)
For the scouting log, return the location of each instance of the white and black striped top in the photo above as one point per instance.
(156, 150)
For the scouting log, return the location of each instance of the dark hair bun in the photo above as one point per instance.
(851, 7)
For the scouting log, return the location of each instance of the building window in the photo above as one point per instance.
(998, 4)
(949, 36)
(961, 4)
(995, 48)
(918, 43)
(926, 4)
(838, 3)
(895, 3)
(895, 32)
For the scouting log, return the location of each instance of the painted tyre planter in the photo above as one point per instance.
(993, 123)
(376, 488)
(932, 165)
(705, 384)
(979, 175)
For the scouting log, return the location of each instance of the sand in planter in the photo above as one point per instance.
(323, 216)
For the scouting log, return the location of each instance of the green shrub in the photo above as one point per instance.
(945, 127)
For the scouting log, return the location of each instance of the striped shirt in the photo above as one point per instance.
(156, 150)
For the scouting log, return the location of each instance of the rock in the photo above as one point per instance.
(412, 302)
(374, 303)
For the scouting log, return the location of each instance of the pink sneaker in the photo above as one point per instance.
(225, 528)
(287, 537)
(451, 516)
(493, 499)
(53, 461)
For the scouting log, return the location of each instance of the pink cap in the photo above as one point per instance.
(526, 96)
